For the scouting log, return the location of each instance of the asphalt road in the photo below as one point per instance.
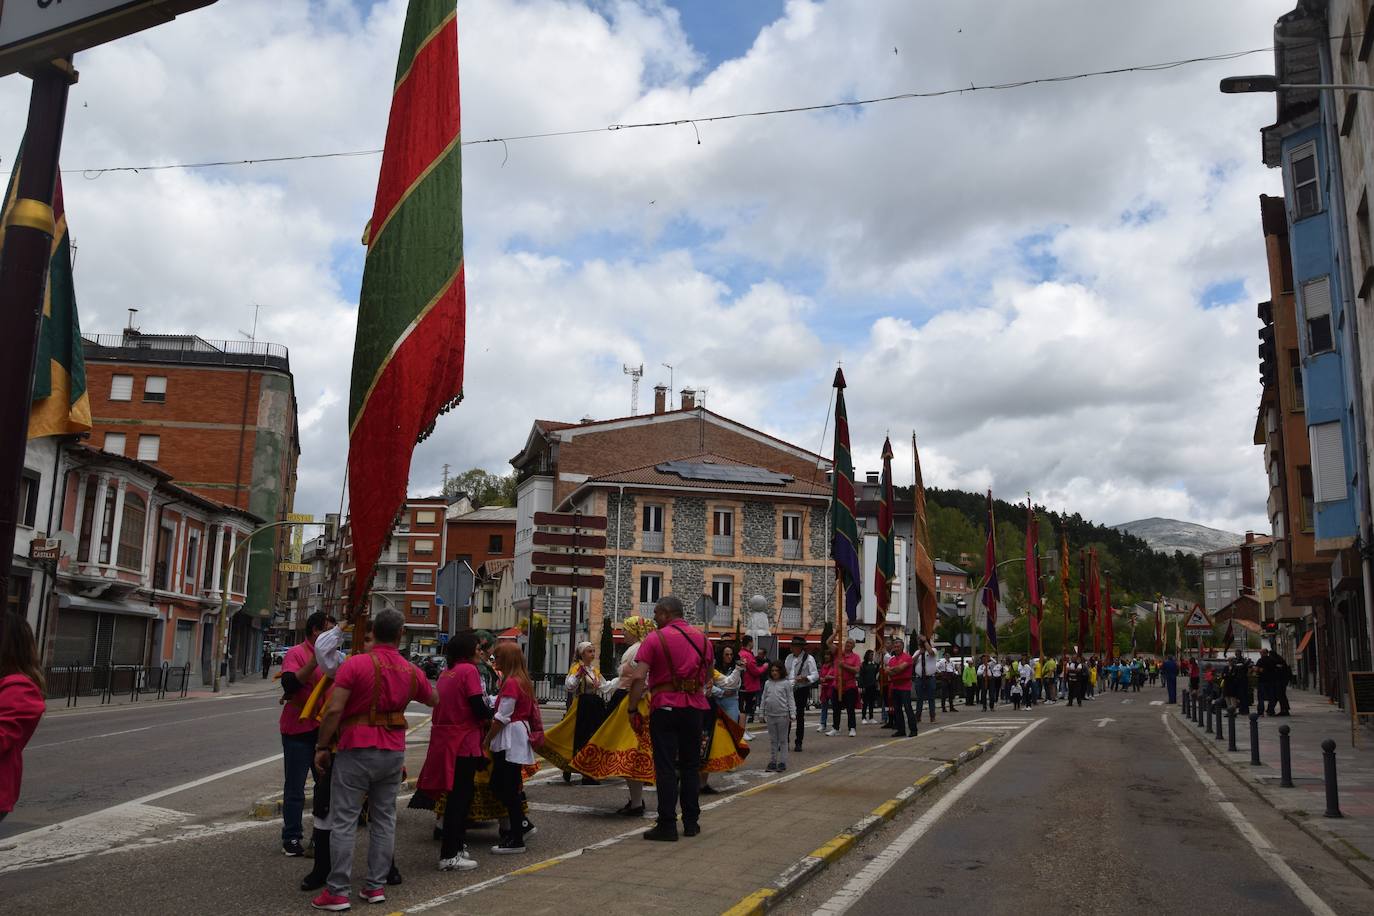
(1084, 816)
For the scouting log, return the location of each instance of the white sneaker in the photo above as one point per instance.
(852, 733)
(832, 733)
(820, 728)
(748, 737)
(459, 862)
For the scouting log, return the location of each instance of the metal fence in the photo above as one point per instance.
(549, 690)
(73, 682)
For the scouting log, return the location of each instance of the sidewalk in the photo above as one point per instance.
(253, 685)
(1313, 720)
(725, 867)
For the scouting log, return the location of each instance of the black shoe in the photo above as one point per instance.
(312, 882)
(708, 790)
(293, 848)
(691, 829)
(527, 827)
(796, 749)
(393, 877)
(899, 735)
(661, 834)
(627, 811)
(567, 777)
(588, 781)
(319, 839)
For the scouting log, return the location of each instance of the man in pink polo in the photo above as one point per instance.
(366, 712)
(297, 736)
(675, 662)
(899, 677)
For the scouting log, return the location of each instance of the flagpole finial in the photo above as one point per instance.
(839, 378)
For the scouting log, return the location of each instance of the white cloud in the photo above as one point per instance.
(969, 258)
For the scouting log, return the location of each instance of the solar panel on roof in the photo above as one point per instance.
(725, 473)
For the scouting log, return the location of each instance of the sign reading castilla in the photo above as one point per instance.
(33, 32)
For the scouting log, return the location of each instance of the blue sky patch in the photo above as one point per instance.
(1223, 292)
(722, 30)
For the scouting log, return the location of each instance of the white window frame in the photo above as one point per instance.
(121, 388)
(123, 442)
(1330, 481)
(1315, 298)
(657, 590)
(422, 577)
(417, 546)
(723, 586)
(728, 514)
(155, 389)
(651, 516)
(419, 609)
(1307, 149)
(149, 447)
(424, 516)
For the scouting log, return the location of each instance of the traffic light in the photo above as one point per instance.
(1271, 627)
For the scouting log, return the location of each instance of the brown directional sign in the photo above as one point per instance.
(579, 560)
(588, 541)
(565, 580)
(570, 520)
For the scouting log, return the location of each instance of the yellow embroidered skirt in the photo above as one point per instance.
(616, 750)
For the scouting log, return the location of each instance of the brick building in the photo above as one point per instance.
(219, 417)
(479, 535)
(407, 570)
(698, 505)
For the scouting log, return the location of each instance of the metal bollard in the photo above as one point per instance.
(1254, 739)
(1285, 758)
(1231, 730)
(1207, 712)
(1221, 704)
(1333, 802)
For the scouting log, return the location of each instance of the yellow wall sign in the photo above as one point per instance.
(300, 519)
(294, 567)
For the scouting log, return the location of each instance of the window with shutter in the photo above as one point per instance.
(1328, 462)
(155, 388)
(1316, 307)
(148, 447)
(114, 443)
(121, 387)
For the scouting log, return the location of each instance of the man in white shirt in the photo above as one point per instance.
(801, 672)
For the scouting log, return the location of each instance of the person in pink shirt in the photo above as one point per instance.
(846, 690)
(751, 676)
(827, 690)
(21, 703)
(899, 677)
(366, 713)
(298, 737)
(455, 747)
(675, 662)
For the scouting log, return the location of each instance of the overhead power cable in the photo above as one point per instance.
(93, 173)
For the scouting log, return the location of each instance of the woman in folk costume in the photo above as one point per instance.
(615, 749)
(723, 716)
(584, 716)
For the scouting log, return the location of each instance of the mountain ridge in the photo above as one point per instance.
(1170, 534)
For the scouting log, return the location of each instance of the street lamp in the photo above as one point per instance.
(1265, 83)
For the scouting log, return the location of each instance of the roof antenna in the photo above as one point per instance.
(131, 329)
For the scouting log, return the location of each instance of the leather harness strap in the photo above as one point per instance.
(390, 719)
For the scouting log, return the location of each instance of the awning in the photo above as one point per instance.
(422, 626)
(510, 633)
(100, 606)
(1302, 643)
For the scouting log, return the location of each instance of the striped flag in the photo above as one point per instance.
(844, 532)
(1033, 602)
(1083, 630)
(992, 592)
(885, 566)
(1064, 580)
(408, 354)
(59, 404)
(1109, 623)
(923, 555)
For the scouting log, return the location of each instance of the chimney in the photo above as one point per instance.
(660, 399)
(689, 399)
(875, 477)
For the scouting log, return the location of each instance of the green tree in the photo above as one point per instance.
(483, 487)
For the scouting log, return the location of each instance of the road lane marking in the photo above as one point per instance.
(130, 731)
(498, 880)
(870, 874)
(1156, 702)
(1263, 848)
(1102, 722)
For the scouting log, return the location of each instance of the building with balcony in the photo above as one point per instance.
(219, 417)
(142, 567)
(697, 505)
(406, 571)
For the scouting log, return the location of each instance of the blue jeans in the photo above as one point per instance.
(925, 695)
(298, 753)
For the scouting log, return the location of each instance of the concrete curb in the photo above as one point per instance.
(1356, 861)
(809, 866)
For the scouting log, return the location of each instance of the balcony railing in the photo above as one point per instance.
(723, 616)
(791, 618)
(791, 550)
(723, 545)
(652, 541)
(184, 348)
(646, 609)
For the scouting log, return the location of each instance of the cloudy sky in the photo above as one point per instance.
(1054, 286)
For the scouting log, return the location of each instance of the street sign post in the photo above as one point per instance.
(33, 32)
(569, 542)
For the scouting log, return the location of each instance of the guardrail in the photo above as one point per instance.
(72, 682)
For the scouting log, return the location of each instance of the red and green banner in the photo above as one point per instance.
(844, 531)
(1107, 620)
(60, 404)
(885, 565)
(926, 601)
(408, 353)
(1064, 581)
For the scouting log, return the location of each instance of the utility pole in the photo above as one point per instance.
(24, 263)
